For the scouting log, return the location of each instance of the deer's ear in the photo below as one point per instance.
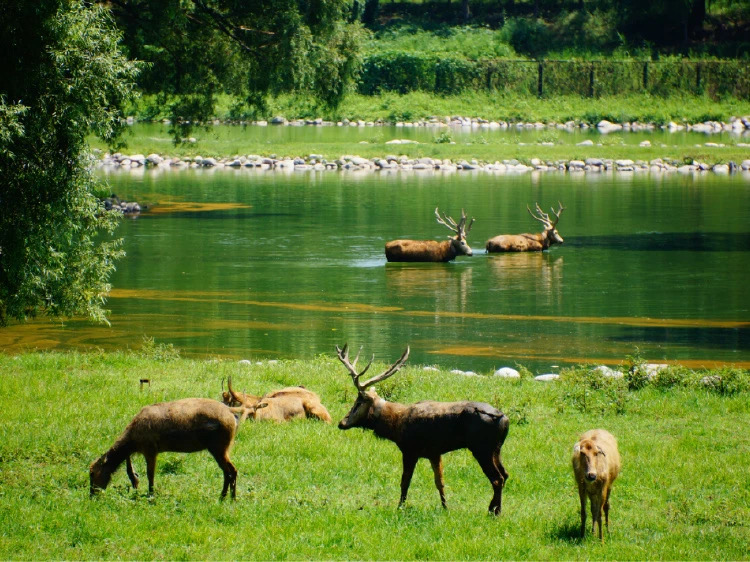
(577, 448)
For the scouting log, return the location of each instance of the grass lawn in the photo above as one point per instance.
(307, 490)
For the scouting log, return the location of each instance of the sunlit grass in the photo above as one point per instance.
(309, 491)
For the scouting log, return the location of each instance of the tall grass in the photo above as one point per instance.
(309, 491)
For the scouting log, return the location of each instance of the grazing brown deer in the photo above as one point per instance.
(182, 426)
(529, 242)
(429, 429)
(279, 405)
(432, 250)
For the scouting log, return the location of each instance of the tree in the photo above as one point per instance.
(199, 48)
(64, 78)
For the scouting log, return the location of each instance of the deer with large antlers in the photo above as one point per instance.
(429, 429)
(530, 242)
(432, 250)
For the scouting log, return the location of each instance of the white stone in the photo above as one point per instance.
(508, 373)
(607, 372)
(547, 377)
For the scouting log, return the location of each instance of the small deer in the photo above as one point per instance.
(429, 429)
(182, 426)
(529, 242)
(431, 250)
(279, 405)
(596, 465)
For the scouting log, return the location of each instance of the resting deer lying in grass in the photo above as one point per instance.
(529, 242)
(429, 429)
(182, 426)
(431, 250)
(279, 405)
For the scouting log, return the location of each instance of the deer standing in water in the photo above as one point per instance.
(429, 429)
(530, 242)
(432, 250)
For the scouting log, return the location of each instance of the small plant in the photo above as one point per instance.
(159, 352)
(444, 138)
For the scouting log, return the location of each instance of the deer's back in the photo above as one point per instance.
(185, 426)
(514, 243)
(432, 428)
(417, 250)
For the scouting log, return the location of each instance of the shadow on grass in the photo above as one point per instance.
(568, 532)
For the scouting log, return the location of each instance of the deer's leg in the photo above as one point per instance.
(229, 470)
(582, 496)
(495, 476)
(437, 469)
(131, 473)
(318, 411)
(606, 508)
(596, 515)
(150, 470)
(409, 463)
(499, 465)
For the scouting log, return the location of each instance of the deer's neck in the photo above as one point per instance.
(385, 419)
(117, 454)
(544, 239)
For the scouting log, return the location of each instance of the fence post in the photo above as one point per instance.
(645, 76)
(698, 78)
(591, 81)
(540, 87)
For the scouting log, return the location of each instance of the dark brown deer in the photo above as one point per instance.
(182, 426)
(279, 405)
(429, 429)
(432, 250)
(529, 242)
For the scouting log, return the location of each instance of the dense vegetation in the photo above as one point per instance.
(64, 79)
(309, 491)
(199, 50)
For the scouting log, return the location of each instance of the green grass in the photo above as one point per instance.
(309, 491)
(418, 105)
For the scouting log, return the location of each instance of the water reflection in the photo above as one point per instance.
(448, 284)
(537, 272)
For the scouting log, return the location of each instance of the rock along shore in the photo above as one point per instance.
(392, 162)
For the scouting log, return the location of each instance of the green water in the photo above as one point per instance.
(272, 266)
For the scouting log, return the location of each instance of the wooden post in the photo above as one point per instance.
(591, 81)
(645, 76)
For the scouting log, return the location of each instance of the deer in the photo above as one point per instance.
(432, 250)
(279, 405)
(596, 465)
(429, 429)
(183, 426)
(529, 242)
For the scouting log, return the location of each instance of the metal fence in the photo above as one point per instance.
(405, 72)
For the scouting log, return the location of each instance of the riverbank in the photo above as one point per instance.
(403, 163)
(308, 484)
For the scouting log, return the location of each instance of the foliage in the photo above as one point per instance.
(302, 487)
(201, 48)
(158, 351)
(64, 78)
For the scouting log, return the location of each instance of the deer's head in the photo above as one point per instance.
(589, 455)
(365, 398)
(550, 226)
(458, 242)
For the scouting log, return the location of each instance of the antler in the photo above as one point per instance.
(459, 228)
(544, 217)
(343, 355)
